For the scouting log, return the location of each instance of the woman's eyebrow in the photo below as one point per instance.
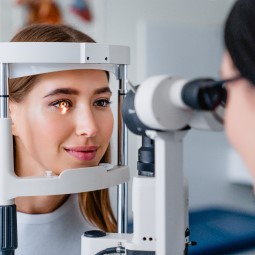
(70, 91)
(67, 91)
(102, 90)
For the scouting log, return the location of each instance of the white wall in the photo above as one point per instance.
(125, 22)
(9, 15)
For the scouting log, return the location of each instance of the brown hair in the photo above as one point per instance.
(95, 205)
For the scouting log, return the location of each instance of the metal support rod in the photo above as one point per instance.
(4, 90)
(6, 146)
(8, 213)
(122, 205)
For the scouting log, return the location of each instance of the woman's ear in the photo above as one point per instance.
(12, 115)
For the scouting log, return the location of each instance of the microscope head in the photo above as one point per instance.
(170, 103)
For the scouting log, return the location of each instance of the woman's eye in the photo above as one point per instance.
(102, 102)
(62, 105)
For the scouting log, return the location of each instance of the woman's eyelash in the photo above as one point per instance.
(102, 102)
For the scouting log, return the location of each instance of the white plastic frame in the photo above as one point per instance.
(18, 59)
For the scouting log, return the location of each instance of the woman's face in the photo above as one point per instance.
(64, 122)
(240, 113)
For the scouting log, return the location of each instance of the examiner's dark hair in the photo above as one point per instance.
(94, 205)
(239, 37)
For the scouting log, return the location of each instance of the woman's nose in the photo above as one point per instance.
(86, 124)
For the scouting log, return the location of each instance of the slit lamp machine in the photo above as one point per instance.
(161, 109)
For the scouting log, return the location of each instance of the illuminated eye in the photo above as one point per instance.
(62, 105)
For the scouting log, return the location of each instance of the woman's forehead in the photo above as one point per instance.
(73, 82)
(74, 77)
(84, 73)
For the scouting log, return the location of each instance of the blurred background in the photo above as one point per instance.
(177, 37)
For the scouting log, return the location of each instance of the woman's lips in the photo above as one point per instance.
(83, 153)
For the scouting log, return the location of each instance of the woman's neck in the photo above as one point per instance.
(40, 205)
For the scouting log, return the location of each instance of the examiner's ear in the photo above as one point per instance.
(228, 69)
(12, 114)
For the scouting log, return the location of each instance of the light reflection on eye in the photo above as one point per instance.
(63, 106)
(63, 109)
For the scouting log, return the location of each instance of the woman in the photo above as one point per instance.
(239, 61)
(57, 124)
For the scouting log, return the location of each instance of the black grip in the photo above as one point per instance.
(8, 228)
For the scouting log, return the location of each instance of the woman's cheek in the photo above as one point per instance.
(51, 128)
(105, 122)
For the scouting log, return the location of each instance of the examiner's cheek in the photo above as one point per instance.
(229, 125)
